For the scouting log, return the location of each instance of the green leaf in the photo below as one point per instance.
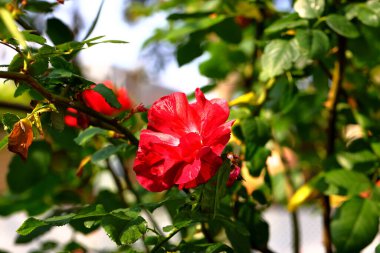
(188, 52)
(60, 73)
(354, 225)
(134, 230)
(237, 234)
(363, 161)
(106, 152)
(352, 182)
(89, 212)
(9, 120)
(218, 247)
(223, 60)
(38, 66)
(313, 43)
(108, 94)
(4, 142)
(29, 36)
(58, 31)
(88, 133)
(309, 8)
(58, 120)
(368, 16)
(277, 58)
(342, 26)
(59, 220)
(29, 225)
(288, 22)
(124, 231)
(214, 190)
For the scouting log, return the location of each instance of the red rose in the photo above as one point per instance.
(183, 142)
(97, 102)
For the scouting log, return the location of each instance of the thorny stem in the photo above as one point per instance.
(58, 100)
(335, 90)
(159, 245)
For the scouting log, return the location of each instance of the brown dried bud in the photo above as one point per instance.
(21, 138)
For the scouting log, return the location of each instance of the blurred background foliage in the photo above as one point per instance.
(304, 88)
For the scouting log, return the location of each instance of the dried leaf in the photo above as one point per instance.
(21, 138)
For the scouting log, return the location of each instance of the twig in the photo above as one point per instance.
(294, 214)
(118, 184)
(332, 102)
(14, 106)
(206, 233)
(58, 100)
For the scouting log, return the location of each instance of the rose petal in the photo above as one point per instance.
(172, 114)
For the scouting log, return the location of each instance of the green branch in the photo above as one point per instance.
(58, 100)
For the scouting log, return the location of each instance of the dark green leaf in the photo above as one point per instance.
(38, 66)
(277, 58)
(58, 31)
(23, 175)
(354, 225)
(176, 16)
(188, 52)
(88, 133)
(60, 73)
(9, 120)
(228, 30)
(342, 26)
(39, 6)
(309, 8)
(108, 94)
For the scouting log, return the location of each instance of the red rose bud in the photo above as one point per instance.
(97, 102)
(183, 142)
(234, 174)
